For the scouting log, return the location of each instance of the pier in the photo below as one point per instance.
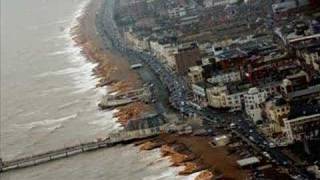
(122, 137)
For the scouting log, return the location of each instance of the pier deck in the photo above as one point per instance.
(114, 139)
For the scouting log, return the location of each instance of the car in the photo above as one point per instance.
(272, 145)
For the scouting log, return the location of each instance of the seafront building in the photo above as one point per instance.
(256, 57)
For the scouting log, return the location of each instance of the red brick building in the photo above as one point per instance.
(188, 55)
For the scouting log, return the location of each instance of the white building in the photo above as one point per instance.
(138, 42)
(195, 74)
(164, 51)
(220, 97)
(216, 96)
(253, 100)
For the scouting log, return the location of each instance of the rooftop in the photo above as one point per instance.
(304, 92)
(230, 54)
(299, 109)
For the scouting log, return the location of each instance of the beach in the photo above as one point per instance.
(112, 68)
(195, 154)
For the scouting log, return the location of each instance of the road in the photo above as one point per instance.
(178, 96)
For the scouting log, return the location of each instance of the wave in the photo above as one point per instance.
(64, 106)
(82, 70)
(106, 121)
(48, 122)
(54, 128)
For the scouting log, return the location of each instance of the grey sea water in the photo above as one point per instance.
(49, 99)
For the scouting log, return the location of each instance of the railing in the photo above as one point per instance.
(116, 138)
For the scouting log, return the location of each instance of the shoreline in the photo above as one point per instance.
(196, 155)
(112, 69)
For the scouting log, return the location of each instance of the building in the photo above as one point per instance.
(228, 77)
(165, 50)
(312, 57)
(310, 93)
(221, 96)
(253, 100)
(302, 128)
(231, 59)
(195, 74)
(199, 93)
(234, 100)
(188, 55)
(216, 96)
(138, 41)
(303, 122)
(310, 53)
(276, 110)
(177, 12)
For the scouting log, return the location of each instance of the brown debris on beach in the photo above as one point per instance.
(205, 175)
(195, 154)
(112, 68)
(131, 111)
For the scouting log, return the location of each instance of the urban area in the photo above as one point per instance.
(247, 70)
(230, 88)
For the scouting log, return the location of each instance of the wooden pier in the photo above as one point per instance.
(114, 139)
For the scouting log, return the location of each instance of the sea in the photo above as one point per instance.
(49, 100)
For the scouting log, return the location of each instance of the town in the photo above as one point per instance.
(229, 89)
(250, 67)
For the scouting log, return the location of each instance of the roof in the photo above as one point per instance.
(230, 54)
(305, 38)
(187, 46)
(248, 161)
(304, 92)
(204, 85)
(299, 109)
(280, 101)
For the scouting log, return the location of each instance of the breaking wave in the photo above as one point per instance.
(48, 122)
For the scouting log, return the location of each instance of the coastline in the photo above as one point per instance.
(115, 75)
(112, 68)
(195, 154)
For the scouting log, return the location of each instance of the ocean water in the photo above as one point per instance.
(49, 99)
